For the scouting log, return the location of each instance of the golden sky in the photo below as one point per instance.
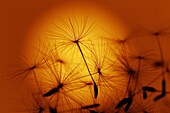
(114, 32)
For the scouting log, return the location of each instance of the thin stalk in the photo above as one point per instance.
(95, 86)
(85, 61)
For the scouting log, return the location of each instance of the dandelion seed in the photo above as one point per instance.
(95, 91)
(122, 102)
(91, 106)
(71, 91)
(144, 95)
(53, 91)
(52, 110)
(128, 104)
(139, 106)
(70, 33)
(32, 64)
(41, 110)
(163, 91)
(150, 89)
(95, 86)
(74, 33)
(158, 97)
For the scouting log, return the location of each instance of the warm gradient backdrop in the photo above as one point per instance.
(20, 18)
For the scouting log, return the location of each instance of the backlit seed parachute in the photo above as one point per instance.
(70, 32)
(73, 37)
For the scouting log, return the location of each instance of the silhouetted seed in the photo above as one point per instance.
(95, 91)
(95, 86)
(158, 97)
(158, 64)
(91, 106)
(41, 110)
(128, 104)
(92, 111)
(53, 110)
(149, 89)
(122, 102)
(53, 91)
(144, 95)
(163, 87)
(163, 91)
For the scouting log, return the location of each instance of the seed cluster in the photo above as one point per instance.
(81, 73)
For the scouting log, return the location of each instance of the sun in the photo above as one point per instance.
(71, 56)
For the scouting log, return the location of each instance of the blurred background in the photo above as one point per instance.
(17, 16)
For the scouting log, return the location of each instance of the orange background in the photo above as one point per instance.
(15, 19)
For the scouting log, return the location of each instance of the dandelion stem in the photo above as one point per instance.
(84, 60)
(95, 86)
